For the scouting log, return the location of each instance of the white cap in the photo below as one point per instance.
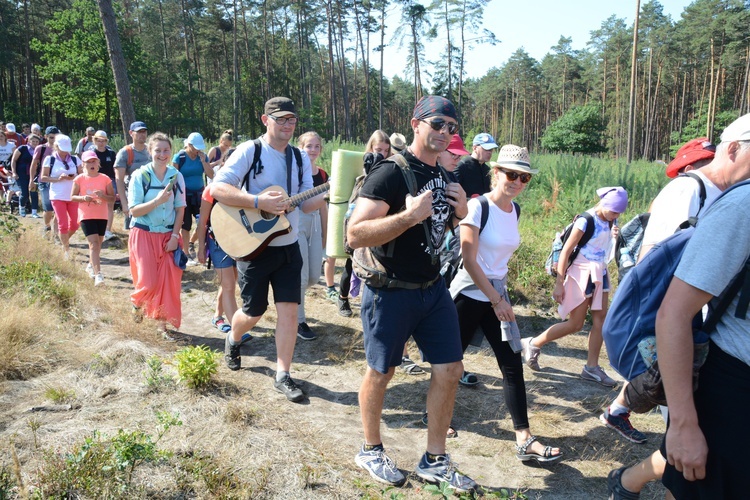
(10, 127)
(63, 143)
(738, 130)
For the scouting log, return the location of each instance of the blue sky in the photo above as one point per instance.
(535, 25)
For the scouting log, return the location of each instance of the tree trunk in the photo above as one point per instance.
(119, 69)
(633, 73)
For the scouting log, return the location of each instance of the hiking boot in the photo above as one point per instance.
(332, 294)
(596, 374)
(531, 354)
(232, 354)
(615, 488)
(305, 333)
(621, 424)
(290, 389)
(345, 309)
(380, 466)
(444, 470)
(468, 379)
(98, 279)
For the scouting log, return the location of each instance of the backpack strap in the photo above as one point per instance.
(693, 219)
(298, 157)
(181, 159)
(411, 184)
(131, 156)
(518, 210)
(589, 232)
(256, 166)
(485, 207)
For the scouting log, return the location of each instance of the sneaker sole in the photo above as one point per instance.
(295, 399)
(378, 478)
(600, 382)
(305, 337)
(617, 430)
(433, 480)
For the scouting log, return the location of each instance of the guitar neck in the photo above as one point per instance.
(298, 199)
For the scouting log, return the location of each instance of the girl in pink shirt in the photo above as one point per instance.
(93, 191)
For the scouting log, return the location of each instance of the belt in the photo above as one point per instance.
(147, 228)
(394, 283)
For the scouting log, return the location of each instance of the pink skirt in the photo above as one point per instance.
(576, 280)
(156, 278)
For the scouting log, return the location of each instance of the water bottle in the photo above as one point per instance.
(626, 260)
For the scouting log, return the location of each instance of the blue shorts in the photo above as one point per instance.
(46, 202)
(279, 267)
(590, 286)
(391, 316)
(219, 259)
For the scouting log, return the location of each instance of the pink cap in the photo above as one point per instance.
(89, 155)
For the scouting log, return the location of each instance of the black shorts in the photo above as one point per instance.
(192, 208)
(722, 406)
(94, 226)
(279, 266)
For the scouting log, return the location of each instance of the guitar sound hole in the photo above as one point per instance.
(267, 216)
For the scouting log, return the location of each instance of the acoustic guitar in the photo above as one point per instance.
(243, 233)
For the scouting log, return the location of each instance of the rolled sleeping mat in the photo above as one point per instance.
(346, 166)
(335, 235)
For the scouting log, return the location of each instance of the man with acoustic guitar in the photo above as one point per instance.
(243, 182)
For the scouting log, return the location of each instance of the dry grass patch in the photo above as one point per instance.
(26, 350)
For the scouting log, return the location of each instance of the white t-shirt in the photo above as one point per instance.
(497, 242)
(597, 247)
(7, 151)
(274, 173)
(61, 190)
(678, 200)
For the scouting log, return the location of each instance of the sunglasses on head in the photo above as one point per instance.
(512, 176)
(438, 124)
(707, 146)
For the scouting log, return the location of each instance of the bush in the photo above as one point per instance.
(196, 365)
(579, 130)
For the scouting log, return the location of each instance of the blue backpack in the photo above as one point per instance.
(629, 328)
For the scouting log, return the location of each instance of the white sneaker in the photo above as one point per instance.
(90, 270)
(98, 279)
(192, 262)
(108, 235)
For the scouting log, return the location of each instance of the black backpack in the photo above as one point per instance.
(559, 242)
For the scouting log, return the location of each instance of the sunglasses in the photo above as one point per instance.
(512, 176)
(438, 124)
(707, 146)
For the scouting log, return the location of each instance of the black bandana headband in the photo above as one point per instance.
(434, 105)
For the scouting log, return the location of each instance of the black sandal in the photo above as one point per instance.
(450, 434)
(546, 457)
(616, 490)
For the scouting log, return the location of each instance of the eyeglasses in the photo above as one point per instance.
(438, 124)
(284, 120)
(512, 176)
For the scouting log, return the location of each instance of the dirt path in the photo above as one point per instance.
(306, 450)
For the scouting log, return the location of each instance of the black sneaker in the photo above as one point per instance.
(344, 308)
(305, 333)
(232, 354)
(290, 389)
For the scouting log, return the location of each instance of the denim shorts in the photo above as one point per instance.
(281, 267)
(219, 258)
(46, 202)
(590, 287)
(391, 315)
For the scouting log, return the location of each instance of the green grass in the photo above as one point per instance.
(564, 187)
